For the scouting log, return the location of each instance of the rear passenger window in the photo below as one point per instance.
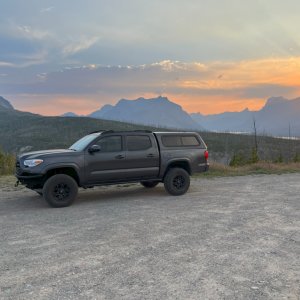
(138, 142)
(190, 141)
(179, 141)
(171, 141)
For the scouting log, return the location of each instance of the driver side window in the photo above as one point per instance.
(110, 143)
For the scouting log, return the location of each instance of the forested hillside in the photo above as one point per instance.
(20, 131)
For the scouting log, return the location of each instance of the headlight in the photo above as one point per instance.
(32, 162)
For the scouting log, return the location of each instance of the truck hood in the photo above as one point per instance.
(45, 153)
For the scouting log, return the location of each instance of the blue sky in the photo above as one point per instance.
(165, 42)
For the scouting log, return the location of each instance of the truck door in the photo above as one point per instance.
(105, 165)
(142, 156)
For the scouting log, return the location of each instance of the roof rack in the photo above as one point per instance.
(142, 130)
(113, 131)
(103, 130)
(108, 131)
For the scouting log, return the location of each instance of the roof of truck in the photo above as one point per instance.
(142, 131)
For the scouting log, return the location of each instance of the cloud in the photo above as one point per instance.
(47, 9)
(78, 46)
(6, 64)
(29, 32)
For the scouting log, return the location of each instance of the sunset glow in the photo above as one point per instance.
(208, 57)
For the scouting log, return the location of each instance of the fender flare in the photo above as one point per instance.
(61, 166)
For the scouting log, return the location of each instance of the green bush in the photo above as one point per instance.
(7, 163)
(254, 156)
(296, 157)
(279, 159)
(238, 159)
(241, 158)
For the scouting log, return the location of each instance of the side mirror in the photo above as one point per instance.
(94, 148)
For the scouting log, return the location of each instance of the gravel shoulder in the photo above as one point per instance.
(227, 238)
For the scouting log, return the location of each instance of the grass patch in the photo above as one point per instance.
(220, 170)
(9, 181)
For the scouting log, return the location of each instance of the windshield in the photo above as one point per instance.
(83, 142)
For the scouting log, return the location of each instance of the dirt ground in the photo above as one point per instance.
(227, 238)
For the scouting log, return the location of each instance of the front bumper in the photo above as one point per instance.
(30, 180)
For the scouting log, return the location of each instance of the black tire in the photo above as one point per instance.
(149, 184)
(177, 181)
(60, 190)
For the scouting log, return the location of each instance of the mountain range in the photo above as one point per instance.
(278, 117)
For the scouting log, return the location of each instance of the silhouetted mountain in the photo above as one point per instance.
(160, 112)
(98, 114)
(274, 119)
(5, 104)
(227, 121)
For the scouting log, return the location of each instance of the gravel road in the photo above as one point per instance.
(227, 238)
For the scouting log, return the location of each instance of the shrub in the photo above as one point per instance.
(296, 157)
(238, 159)
(7, 163)
(254, 156)
(279, 159)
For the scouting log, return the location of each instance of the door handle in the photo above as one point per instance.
(150, 155)
(120, 156)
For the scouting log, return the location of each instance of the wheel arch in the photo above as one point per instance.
(69, 170)
(182, 163)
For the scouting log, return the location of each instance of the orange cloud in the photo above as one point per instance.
(247, 73)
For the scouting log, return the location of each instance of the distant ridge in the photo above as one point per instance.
(5, 104)
(276, 118)
(69, 114)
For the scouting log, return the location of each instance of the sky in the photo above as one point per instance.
(207, 56)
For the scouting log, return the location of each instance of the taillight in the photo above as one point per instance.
(206, 154)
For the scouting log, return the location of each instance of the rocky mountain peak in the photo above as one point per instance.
(5, 104)
(275, 101)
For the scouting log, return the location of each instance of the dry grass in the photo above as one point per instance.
(7, 183)
(262, 167)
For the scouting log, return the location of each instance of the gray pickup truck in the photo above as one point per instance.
(110, 157)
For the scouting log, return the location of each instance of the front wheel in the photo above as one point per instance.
(149, 184)
(60, 190)
(177, 181)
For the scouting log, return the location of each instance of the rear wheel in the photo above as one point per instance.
(149, 184)
(177, 181)
(60, 190)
